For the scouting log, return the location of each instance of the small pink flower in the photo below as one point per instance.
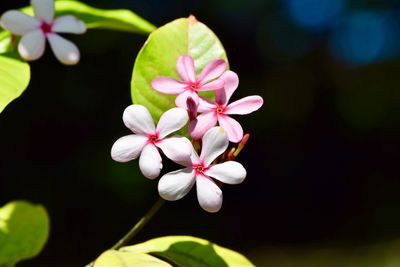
(175, 185)
(148, 139)
(219, 110)
(190, 84)
(35, 30)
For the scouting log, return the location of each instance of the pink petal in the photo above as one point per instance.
(212, 70)
(171, 121)
(205, 105)
(150, 162)
(65, 51)
(232, 127)
(231, 83)
(138, 119)
(215, 142)
(32, 45)
(229, 172)
(175, 185)
(185, 68)
(19, 23)
(69, 24)
(209, 194)
(43, 9)
(128, 147)
(177, 148)
(245, 105)
(202, 124)
(168, 85)
(214, 85)
(181, 99)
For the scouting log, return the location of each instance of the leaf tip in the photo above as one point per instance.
(192, 19)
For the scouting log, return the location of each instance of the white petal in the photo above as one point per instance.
(215, 142)
(18, 23)
(69, 24)
(65, 51)
(175, 185)
(32, 45)
(171, 121)
(208, 194)
(128, 147)
(177, 149)
(229, 172)
(138, 119)
(150, 161)
(43, 9)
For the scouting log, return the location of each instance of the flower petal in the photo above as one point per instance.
(185, 68)
(208, 194)
(215, 142)
(175, 185)
(181, 99)
(138, 119)
(32, 45)
(65, 51)
(229, 172)
(245, 105)
(69, 24)
(232, 127)
(231, 79)
(167, 85)
(214, 85)
(150, 162)
(171, 121)
(128, 147)
(202, 124)
(18, 23)
(205, 105)
(177, 149)
(213, 70)
(43, 9)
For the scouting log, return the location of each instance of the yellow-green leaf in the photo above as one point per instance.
(112, 258)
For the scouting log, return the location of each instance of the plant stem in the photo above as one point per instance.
(138, 226)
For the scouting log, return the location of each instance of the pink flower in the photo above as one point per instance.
(175, 185)
(190, 84)
(219, 110)
(35, 30)
(148, 139)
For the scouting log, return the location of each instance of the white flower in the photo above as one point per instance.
(148, 138)
(35, 30)
(175, 185)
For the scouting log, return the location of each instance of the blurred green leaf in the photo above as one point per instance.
(14, 78)
(187, 251)
(24, 229)
(125, 259)
(94, 18)
(185, 36)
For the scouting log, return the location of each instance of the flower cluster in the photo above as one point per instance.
(35, 30)
(215, 165)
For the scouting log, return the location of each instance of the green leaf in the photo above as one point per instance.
(187, 251)
(185, 36)
(14, 78)
(94, 18)
(124, 259)
(24, 229)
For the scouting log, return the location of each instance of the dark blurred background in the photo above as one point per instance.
(322, 161)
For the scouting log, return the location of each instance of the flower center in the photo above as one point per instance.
(153, 138)
(194, 86)
(46, 27)
(199, 168)
(220, 109)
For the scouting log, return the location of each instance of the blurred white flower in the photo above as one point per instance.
(35, 30)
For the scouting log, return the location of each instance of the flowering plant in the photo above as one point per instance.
(178, 97)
